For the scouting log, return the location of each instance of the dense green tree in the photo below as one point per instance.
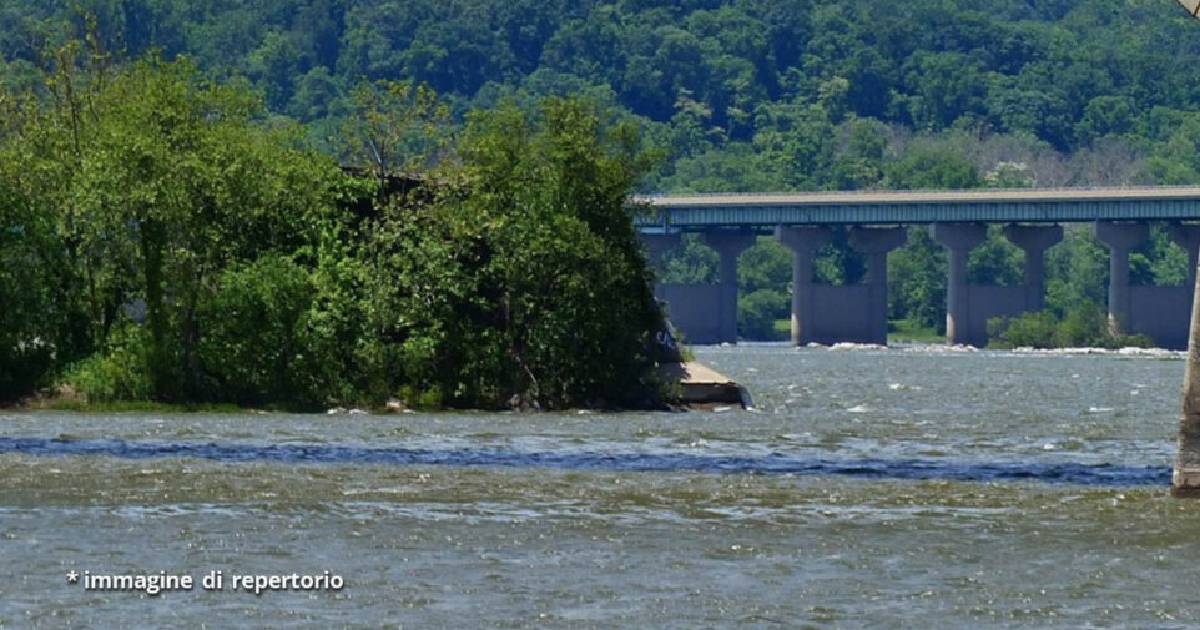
(837, 263)
(764, 273)
(154, 182)
(859, 161)
(522, 281)
(947, 86)
(758, 311)
(737, 168)
(796, 140)
(1076, 273)
(1105, 115)
(996, 261)
(767, 265)
(931, 168)
(31, 261)
(917, 281)
(692, 263)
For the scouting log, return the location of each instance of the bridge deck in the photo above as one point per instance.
(1065, 205)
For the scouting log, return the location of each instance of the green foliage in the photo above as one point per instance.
(917, 281)
(758, 312)
(1076, 273)
(255, 339)
(1167, 262)
(1031, 330)
(174, 184)
(796, 139)
(718, 75)
(859, 162)
(393, 127)
(175, 245)
(522, 281)
(930, 168)
(693, 263)
(762, 271)
(996, 261)
(908, 331)
(837, 263)
(735, 168)
(120, 372)
(30, 320)
(1082, 328)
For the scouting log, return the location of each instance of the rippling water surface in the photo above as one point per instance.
(872, 487)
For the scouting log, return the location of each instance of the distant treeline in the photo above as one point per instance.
(164, 238)
(745, 94)
(738, 95)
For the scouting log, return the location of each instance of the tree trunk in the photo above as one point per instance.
(153, 239)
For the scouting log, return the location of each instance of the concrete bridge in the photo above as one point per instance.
(877, 225)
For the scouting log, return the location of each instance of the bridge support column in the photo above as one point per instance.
(729, 246)
(1185, 481)
(876, 243)
(657, 246)
(804, 243)
(960, 239)
(1035, 240)
(1120, 239)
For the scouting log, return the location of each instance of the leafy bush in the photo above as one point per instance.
(758, 312)
(120, 372)
(1031, 330)
(1081, 328)
(253, 333)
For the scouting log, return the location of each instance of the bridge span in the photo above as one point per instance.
(877, 224)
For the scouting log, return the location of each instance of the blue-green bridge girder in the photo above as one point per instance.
(1068, 205)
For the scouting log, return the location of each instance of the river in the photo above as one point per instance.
(871, 487)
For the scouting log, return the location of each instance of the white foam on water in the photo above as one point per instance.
(856, 346)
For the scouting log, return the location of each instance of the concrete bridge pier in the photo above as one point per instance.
(804, 243)
(729, 245)
(1120, 238)
(875, 243)
(1185, 479)
(960, 239)
(1035, 240)
(657, 246)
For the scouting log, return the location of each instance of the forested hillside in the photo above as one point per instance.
(746, 94)
(743, 95)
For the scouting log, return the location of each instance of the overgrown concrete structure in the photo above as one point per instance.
(875, 223)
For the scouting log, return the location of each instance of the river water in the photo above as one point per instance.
(871, 487)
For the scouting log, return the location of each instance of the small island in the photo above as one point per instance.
(169, 241)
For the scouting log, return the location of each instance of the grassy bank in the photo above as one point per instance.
(906, 331)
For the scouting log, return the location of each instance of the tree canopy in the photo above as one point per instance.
(166, 238)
